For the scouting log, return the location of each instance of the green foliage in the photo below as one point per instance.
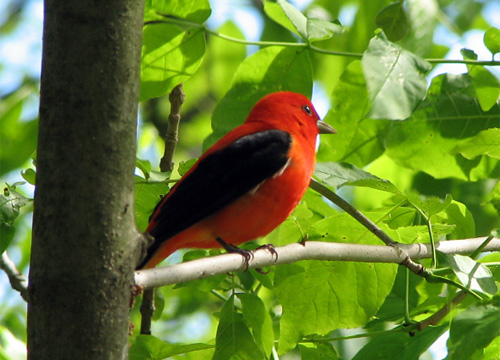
(11, 202)
(419, 160)
(473, 330)
(18, 138)
(394, 21)
(395, 79)
(492, 40)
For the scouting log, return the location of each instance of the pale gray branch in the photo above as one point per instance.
(17, 280)
(311, 250)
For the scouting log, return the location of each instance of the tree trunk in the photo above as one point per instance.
(85, 244)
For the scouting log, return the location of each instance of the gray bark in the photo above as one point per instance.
(85, 244)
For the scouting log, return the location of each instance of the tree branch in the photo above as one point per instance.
(351, 210)
(176, 98)
(311, 250)
(17, 280)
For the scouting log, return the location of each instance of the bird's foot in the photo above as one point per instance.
(270, 248)
(230, 248)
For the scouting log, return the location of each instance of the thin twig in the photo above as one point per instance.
(348, 208)
(176, 98)
(17, 280)
(147, 310)
(441, 313)
(183, 22)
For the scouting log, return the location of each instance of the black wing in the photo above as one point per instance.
(219, 179)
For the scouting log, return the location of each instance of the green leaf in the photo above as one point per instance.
(492, 40)
(271, 69)
(341, 174)
(468, 54)
(332, 294)
(144, 166)
(319, 29)
(147, 347)
(193, 10)
(495, 197)
(430, 205)
(472, 274)
(400, 345)
(184, 166)
(450, 113)
(276, 11)
(360, 141)
(18, 138)
(224, 57)
(457, 214)
(234, 339)
(319, 351)
(473, 329)
(309, 29)
(395, 79)
(486, 85)
(147, 195)
(10, 203)
(29, 175)
(393, 20)
(394, 305)
(170, 55)
(258, 319)
(487, 142)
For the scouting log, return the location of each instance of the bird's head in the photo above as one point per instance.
(291, 112)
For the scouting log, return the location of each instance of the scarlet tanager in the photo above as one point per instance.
(245, 185)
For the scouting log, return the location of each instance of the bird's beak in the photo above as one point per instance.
(324, 128)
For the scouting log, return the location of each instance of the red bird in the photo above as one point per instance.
(245, 185)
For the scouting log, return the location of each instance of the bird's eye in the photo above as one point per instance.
(307, 109)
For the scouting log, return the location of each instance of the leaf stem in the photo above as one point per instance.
(431, 235)
(405, 329)
(478, 251)
(348, 208)
(407, 297)
(168, 19)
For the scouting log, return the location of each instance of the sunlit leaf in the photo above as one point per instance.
(359, 141)
(193, 10)
(340, 174)
(486, 85)
(472, 274)
(450, 114)
(492, 40)
(487, 142)
(170, 55)
(309, 29)
(395, 79)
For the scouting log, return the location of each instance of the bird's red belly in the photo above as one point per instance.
(252, 216)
